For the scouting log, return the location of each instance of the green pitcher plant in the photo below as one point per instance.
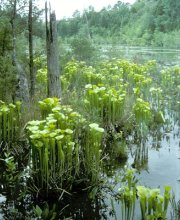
(65, 149)
(153, 205)
(107, 103)
(9, 121)
(143, 115)
(127, 194)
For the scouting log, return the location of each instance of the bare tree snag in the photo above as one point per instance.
(54, 87)
(31, 63)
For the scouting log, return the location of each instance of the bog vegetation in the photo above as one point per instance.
(58, 147)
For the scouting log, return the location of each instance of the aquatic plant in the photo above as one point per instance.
(77, 74)
(9, 121)
(111, 89)
(142, 195)
(45, 212)
(153, 204)
(119, 150)
(92, 157)
(65, 148)
(47, 104)
(108, 103)
(170, 78)
(142, 111)
(143, 115)
(127, 194)
(127, 197)
(156, 97)
(175, 212)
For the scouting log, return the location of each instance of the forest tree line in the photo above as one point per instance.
(146, 22)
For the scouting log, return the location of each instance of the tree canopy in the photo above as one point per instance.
(144, 19)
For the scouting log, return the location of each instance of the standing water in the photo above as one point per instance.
(156, 160)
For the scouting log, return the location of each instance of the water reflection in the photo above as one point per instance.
(140, 156)
(157, 161)
(142, 54)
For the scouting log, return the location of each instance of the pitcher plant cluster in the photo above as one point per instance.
(67, 143)
(65, 147)
(9, 121)
(153, 204)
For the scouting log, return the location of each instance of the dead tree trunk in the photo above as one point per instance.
(31, 63)
(12, 21)
(54, 86)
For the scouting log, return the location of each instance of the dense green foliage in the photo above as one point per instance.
(108, 107)
(126, 100)
(9, 122)
(14, 45)
(65, 147)
(8, 78)
(82, 49)
(145, 22)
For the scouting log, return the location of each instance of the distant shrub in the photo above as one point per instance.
(82, 49)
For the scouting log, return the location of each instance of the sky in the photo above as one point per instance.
(65, 8)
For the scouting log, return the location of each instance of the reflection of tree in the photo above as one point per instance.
(140, 157)
(157, 136)
(116, 157)
(76, 206)
(82, 207)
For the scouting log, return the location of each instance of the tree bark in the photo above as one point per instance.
(54, 86)
(12, 21)
(31, 63)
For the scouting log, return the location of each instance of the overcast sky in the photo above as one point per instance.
(65, 8)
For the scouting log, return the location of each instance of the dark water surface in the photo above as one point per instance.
(161, 166)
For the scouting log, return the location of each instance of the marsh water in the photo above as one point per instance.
(163, 56)
(160, 163)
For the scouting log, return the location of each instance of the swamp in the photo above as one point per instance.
(88, 129)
